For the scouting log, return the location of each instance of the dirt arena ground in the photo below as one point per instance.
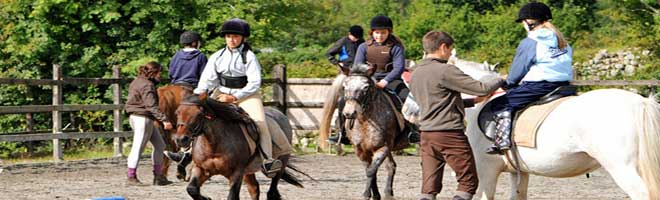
(338, 177)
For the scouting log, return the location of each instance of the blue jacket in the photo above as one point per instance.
(187, 66)
(538, 58)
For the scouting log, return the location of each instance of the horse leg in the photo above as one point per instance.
(273, 192)
(628, 179)
(391, 168)
(252, 185)
(235, 181)
(198, 178)
(488, 183)
(372, 171)
(519, 184)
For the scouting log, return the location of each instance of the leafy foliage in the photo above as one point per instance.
(88, 37)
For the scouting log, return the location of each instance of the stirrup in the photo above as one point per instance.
(271, 167)
(340, 138)
(174, 156)
(414, 137)
(495, 150)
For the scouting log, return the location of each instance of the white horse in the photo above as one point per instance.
(610, 128)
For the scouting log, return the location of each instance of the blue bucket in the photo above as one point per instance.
(109, 198)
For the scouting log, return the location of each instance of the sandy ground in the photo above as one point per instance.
(338, 177)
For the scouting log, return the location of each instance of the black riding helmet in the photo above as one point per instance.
(534, 10)
(235, 26)
(381, 22)
(356, 31)
(189, 37)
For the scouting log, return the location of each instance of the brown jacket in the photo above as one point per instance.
(143, 100)
(437, 86)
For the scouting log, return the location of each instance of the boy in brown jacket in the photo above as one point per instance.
(438, 87)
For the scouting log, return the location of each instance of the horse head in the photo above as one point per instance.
(190, 120)
(358, 90)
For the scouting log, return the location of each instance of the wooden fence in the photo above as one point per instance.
(279, 85)
(285, 98)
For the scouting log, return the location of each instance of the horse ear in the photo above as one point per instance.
(494, 67)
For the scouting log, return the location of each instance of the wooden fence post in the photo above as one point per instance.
(116, 98)
(57, 116)
(29, 118)
(279, 88)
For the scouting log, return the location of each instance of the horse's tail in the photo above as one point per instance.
(648, 156)
(329, 106)
(293, 180)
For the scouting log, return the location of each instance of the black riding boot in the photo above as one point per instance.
(341, 129)
(503, 131)
(182, 157)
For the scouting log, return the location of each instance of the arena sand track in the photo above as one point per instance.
(339, 177)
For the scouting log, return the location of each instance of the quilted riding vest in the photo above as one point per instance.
(379, 56)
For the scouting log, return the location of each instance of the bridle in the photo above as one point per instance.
(366, 98)
(195, 127)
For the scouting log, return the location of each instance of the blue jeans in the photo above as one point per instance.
(522, 95)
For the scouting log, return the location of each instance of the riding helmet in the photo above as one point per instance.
(356, 31)
(534, 10)
(189, 37)
(235, 26)
(381, 22)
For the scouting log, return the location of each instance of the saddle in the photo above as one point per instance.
(396, 104)
(527, 120)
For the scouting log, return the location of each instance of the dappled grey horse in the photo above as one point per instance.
(372, 127)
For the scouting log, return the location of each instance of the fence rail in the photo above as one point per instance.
(56, 134)
(279, 82)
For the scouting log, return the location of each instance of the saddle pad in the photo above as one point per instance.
(251, 143)
(529, 121)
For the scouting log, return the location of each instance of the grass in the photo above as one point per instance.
(73, 154)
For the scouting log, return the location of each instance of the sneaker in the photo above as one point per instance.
(271, 167)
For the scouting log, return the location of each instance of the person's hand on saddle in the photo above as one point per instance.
(167, 125)
(481, 98)
(227, 98)
(381, 84)
(202, 96)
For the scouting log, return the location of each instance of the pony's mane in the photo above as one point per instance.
(221, 110)
(192, 100)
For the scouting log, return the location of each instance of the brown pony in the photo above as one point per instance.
(372, 126)
(220, 146)
(169, 98)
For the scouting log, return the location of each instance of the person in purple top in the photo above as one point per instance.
(188, 63)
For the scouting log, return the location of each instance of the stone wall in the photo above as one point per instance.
(610, 65)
